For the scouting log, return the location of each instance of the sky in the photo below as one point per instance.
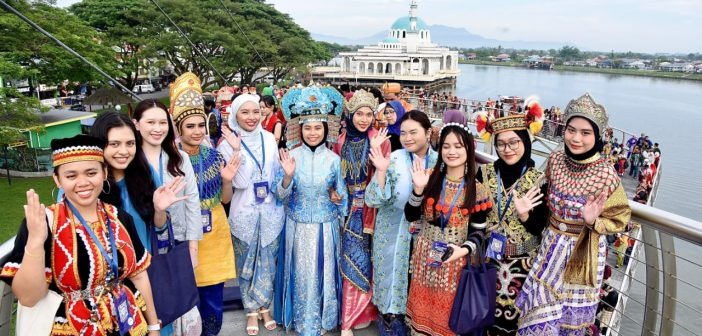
(666, 26)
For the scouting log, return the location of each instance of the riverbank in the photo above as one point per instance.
(626, 72)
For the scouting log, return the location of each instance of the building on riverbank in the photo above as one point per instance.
(407, 55)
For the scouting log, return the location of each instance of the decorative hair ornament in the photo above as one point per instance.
(586, 107)
(362, 98)
(464, 127)
(186, 98)
(311, 104)
(78, 148)
(532, 120)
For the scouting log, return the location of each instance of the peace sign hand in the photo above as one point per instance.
(287, 162)
(594, 207)
(166, 195)
(229, 171)
(379, 138)
(529, 201)
(35, 215)
(379, 160)
(420, 176)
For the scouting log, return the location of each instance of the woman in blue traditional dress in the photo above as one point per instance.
(309, 286)
(587, 202)
(214, 181)
(389, 192)
(354, 148)
(255, 217)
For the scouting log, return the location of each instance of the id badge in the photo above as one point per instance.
(496, 246)
(359, 197)
(162, 241)
(206, 216)
(415, 227)
(261, 191)
(122, 313)
(438, 249)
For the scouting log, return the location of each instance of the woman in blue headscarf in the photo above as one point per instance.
(393, 112)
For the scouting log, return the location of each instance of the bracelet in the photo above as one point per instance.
(26, 252)
(154, 327)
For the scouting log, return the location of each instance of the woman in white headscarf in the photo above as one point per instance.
(255, 218)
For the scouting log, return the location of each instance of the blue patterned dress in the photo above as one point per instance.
(308, 285)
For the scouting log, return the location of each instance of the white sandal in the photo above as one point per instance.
(270, 325)
(252, 330)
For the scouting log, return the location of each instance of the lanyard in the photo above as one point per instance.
(262, 164)
(160, 169)
(444, 219)
(111, 261)
(501, 213)
(426, 159)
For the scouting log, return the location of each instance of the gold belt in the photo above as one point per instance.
(573, 229)
(87, 294)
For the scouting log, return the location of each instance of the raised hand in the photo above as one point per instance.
(529, 201)
(229, 171)
(594, 207)
(232, 140)
(35, 214)
(379, 160)
(166, 194)
(287, 162)
(379, 138)
(420, 176)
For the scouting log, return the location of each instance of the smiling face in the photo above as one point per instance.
(265, 109)
(362, 118)
(121, 147)
(509, 147)
(390, 115)
(249, 116)
(453, 151)
(313, 133)
(414, 137)
(579, 135)
(192, 131)
(81, 182)
(153, 126)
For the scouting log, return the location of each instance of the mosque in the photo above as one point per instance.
(407, 56)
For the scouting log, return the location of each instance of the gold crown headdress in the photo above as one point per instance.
(186, 98)
(362, 98)
(531, 120)
(586, 107)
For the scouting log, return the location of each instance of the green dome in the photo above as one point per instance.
(404, 23)
(391, 39)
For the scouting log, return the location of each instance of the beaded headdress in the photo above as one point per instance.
(78, 148)
(361, 98)
(310, 104)
(531, 119)
(585, 106)
(464, 127)
(186, 98)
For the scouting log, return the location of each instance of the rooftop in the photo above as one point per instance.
(403, 23)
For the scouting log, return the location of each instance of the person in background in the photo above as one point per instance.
(269, 117)
(393, 112)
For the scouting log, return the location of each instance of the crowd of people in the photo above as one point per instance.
(334, 209)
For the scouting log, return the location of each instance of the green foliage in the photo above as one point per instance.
(569, 53)
(17, 112)
(21, 45)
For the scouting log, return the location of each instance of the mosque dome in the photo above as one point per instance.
(403, 23)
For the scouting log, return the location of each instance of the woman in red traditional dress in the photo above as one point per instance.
(84, 250)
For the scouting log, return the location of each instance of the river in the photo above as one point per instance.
(667, 110)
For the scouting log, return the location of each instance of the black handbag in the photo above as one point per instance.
(172, 279)
(474, 305)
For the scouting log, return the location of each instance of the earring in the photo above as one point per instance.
(466, 169)
(52, 193)
(442, 166)
(109, 187)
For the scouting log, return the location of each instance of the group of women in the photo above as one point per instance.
(335, 231)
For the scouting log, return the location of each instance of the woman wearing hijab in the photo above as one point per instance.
(393, 113)
(518, 217)
(587, 202)
(255, 218)
(308, 285)
(353, 147)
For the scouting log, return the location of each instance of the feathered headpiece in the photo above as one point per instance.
(532, 120)
(309, 104)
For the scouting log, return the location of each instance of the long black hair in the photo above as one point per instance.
(437, 176)
(137, 175)
(168, 144)
(269, 101)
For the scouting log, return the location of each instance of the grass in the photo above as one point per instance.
(13, 197)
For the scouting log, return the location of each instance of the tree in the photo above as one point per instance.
(121, 22)
(20, 44)
(569, 53)
(17, 111)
